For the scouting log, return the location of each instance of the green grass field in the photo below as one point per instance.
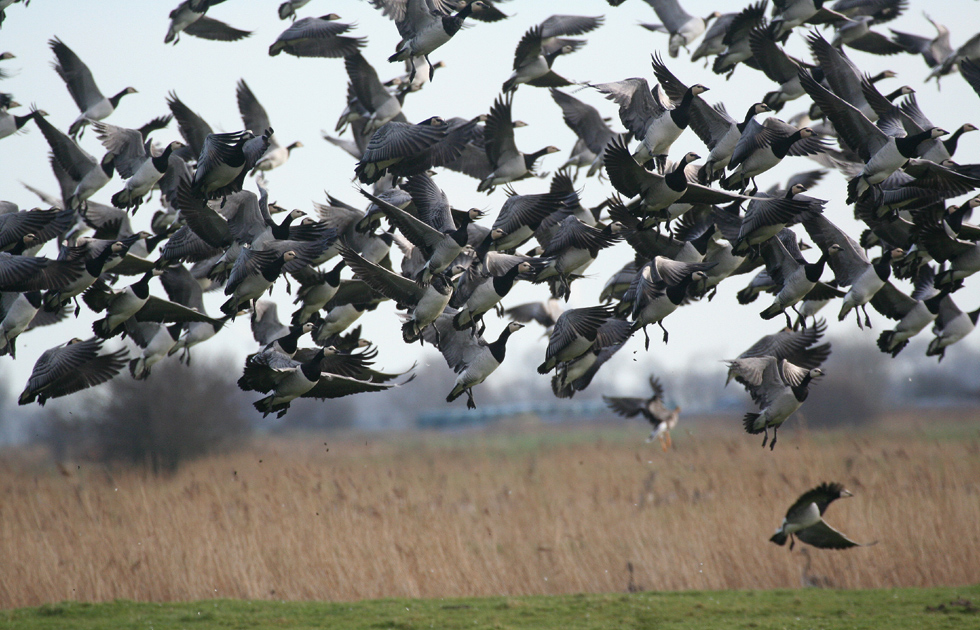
(894, 609)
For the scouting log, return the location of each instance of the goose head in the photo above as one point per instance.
(697, 88)
(936, 132)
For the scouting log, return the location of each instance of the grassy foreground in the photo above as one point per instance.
(894, 609)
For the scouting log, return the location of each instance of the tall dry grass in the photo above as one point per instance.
(551, 512)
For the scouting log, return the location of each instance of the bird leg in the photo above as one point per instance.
(78, 307)
(661, 324)
(432, 69)
(789, 322)
(867, 320)
(470, 403)
(792, 542)
(857, 316)
(765, 439)
(646, 337)
(772, 444)
(411, 62)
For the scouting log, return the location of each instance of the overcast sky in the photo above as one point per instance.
(122, 43)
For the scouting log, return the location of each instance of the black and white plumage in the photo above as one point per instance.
(658, 289)
(257, 121)
(796, 346)
(588, 124)
(777, 386)
(508, 164)
(425, 25)
(542, 44)
(17, 312)
(654, 409)
(83, 173)
(573, 335)
(952, 325)
(81, 85)
(404, 149)
(651, 116)
(469, 355)
(225, 159)
(141, 169)
(189, 17)
(682, 27)
(66, 369)
(424, 302)
(317, 37)
(793, 277)
(804, 520)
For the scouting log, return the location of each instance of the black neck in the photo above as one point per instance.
(272, 272)
(161, 161)
(932, 304)
(290, 340)
(883, 267)
(907, 146)
(950, 142)
(94, 266)
(115, 99)
(503, 284)
(681, 114)
(108, 165)
(801, 391)
(677, 292)
(20, 121)
(550, 57)
(34, 298)
(452, 23)
(780, 146)
(311, 369)
(748, 118)
(813, 271)
(677, 179)
(141, 288)
(332, 277)
(531, 158)
(499, 347)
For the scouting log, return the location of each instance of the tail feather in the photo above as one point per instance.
(409, 332)
(749, 422)
(779, 538)
(456, 393)
(772, 311)
(101, 329)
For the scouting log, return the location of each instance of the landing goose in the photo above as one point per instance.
(933, 50)
(777, 66)
(183, 288)
(913, 313)
(653, 409)
(851, 265)
(40, 225)
(469, 355)
(796, 346)
(135, 302)
(575, 376)
(92, 268)
(735, 43)
(952, 325)
(804, 520)
(793, 277)
(777, 386)
(403, 149)
(439, 249)
(225, 159)
(788, 14)
(658, 289)
(767, 216)
(762, 146)
(286, 379)
(81, 86)
(66, 369)
(380, 105)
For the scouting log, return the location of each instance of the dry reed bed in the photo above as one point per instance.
(481, 515)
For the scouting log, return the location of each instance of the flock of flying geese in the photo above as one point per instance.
(691, 223)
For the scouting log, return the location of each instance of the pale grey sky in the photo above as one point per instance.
(122, 43)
